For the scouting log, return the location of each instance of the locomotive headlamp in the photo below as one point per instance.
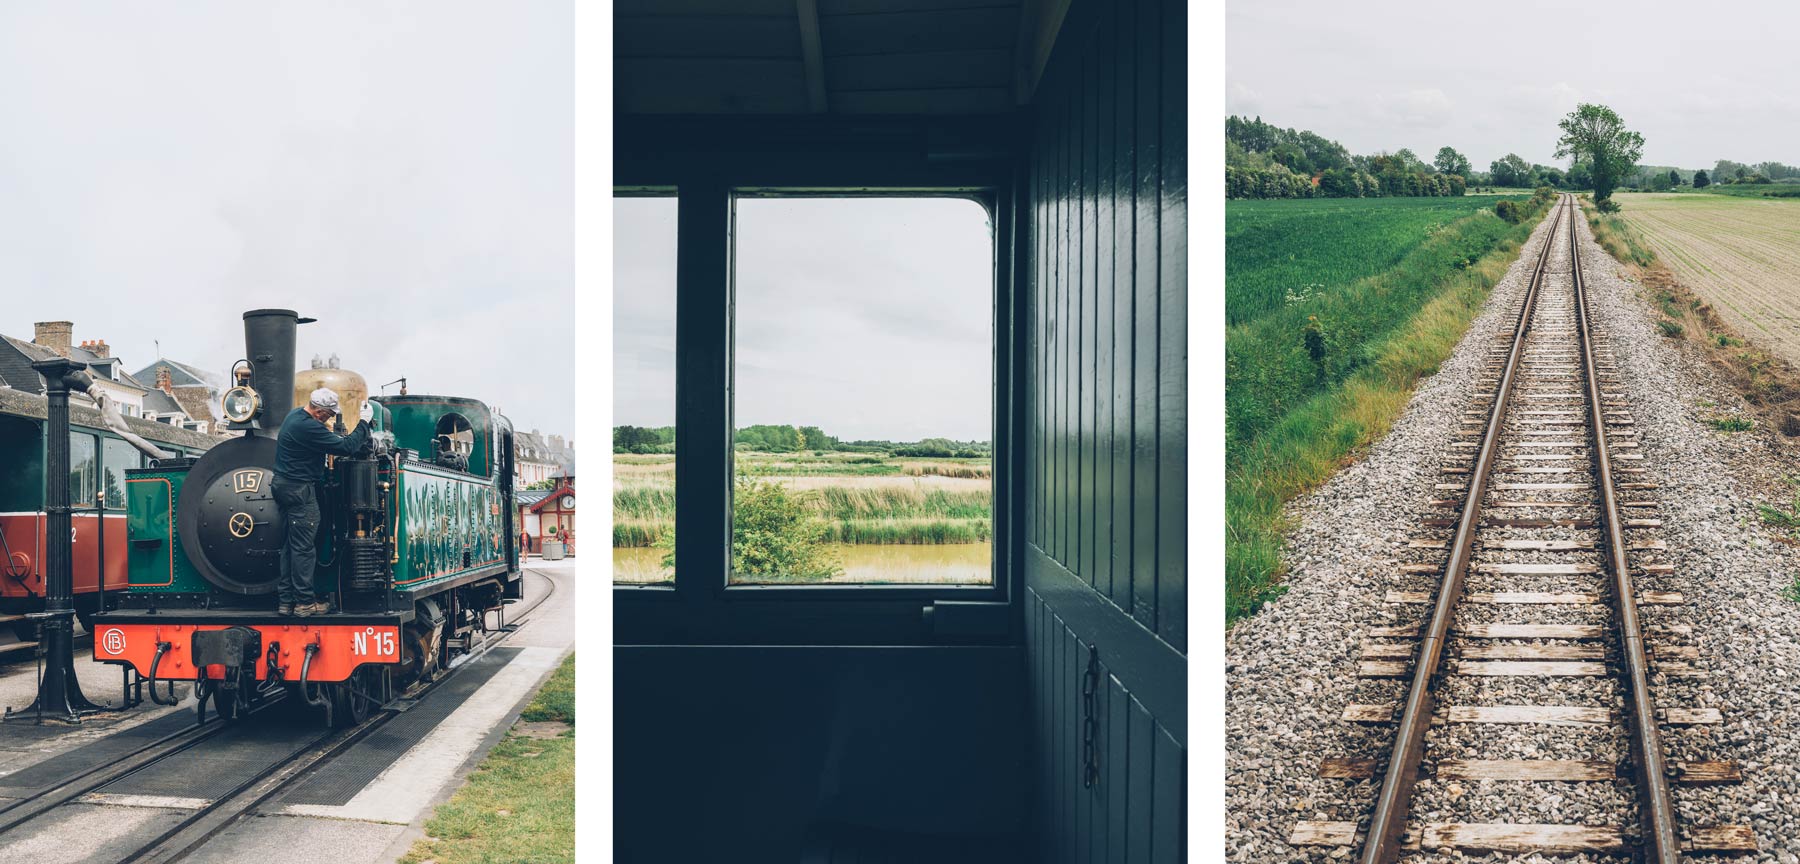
(240, 403)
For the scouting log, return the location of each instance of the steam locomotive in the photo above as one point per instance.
(416, 546)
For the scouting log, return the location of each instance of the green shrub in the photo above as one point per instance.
(774, 537)
(1509, 210)
(1669, 328)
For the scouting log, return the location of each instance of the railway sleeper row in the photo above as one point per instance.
(1532, 681)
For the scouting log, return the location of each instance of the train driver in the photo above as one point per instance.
(300, 450)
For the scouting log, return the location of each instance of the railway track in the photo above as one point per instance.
(205, 822)
(1521, 678)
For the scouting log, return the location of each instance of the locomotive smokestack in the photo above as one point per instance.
(269, 346)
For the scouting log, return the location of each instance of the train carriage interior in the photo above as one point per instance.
(1041, 717)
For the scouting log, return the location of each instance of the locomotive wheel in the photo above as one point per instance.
(86, 619)
(354, 698)
(224, 704)
(424, 652)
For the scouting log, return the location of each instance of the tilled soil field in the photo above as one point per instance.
(1292, 669)
(1741, 254)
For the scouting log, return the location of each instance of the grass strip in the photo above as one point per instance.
(1315, 438)
(519, 805)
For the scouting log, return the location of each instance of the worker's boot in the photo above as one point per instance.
(308, 610)
(284, 609)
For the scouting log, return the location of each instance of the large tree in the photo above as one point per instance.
(1700, 179)
(1596, 134)
(1449, 161)
(1510, 170)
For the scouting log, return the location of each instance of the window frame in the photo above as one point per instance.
(701, 606)
(94, 473)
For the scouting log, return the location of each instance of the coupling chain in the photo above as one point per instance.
(1090, 724)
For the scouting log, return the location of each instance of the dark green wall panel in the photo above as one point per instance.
(1106, 547)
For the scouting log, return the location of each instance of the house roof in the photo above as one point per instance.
(180, 374)
(16, 371)
(194, 401)
(35, 405)
(529, 497)
(162, 403)
(562, 487)
(16, 357)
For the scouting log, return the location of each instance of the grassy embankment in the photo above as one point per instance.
(1325, 371)
(519, 805)
(864, 498)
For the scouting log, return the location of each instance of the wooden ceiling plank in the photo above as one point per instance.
(902, 32)
(881, 7)
(703, 86)
(708, 36)
(984, 67)
(964, 100)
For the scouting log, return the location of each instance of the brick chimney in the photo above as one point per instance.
(54, 335)
(96, 347)
(164, 381)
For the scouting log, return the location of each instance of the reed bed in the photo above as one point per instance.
(862, 499)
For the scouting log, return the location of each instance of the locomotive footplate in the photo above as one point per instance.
(178, 645)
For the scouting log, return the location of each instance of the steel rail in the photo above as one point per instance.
(200, 827)
(1657, 817)
(82, 782)
(1391, 808)
(17, 813)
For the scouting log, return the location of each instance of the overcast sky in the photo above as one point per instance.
(1701, 82)
(869, 318)
(401, 171)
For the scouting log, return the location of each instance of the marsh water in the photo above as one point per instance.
(959, 563)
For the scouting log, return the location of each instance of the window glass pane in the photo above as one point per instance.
(863, 391)
(83, 477)
(643, 438)
(116, 457)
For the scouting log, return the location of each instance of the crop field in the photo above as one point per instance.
(1348, 302)
(887, 518)
(1740, 254)
(1281, 251)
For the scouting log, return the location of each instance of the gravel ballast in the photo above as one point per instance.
(1292, 668)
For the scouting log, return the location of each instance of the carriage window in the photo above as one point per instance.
(116, 456)
(643, 435)
(83, 470)
(862, 391)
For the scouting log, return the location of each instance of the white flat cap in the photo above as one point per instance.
(324, 398)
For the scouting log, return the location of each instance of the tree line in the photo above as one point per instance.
(766, 438)
(1266, 161)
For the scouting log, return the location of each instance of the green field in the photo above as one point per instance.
(1310, 378)
(1753, 190)
(1283, 250)
(850, 501)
